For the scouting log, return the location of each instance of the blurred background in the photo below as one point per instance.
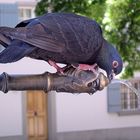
(111, 114)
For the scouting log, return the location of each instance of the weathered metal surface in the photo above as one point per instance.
(72, 81)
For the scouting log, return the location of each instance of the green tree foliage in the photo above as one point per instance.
(122, 25)
(90, 8)
(120, 20)
(97, 11)
(76, 6)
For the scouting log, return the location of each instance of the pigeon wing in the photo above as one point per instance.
(37, 36)
(60, 33)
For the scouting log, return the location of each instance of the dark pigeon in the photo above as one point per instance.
(62, 38)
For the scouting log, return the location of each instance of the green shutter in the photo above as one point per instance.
(114, 97)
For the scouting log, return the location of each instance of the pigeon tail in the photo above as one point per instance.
(15, 52)
(4, 41)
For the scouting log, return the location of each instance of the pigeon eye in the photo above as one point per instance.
(115, 64)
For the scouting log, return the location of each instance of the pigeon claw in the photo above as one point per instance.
(93, 68)
(59, 69)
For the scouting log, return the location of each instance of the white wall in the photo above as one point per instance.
(10, 114)
(11, 117)
(85, 112)
(137, 74)
(73, 112)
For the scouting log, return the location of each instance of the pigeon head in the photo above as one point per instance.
(109, 60)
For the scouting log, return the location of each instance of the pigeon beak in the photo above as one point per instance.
(111, 76)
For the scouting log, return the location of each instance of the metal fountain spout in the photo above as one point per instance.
(72, 81)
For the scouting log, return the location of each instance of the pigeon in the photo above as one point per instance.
(65, 38)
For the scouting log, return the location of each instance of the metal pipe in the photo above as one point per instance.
(73, 81)
(23, 82)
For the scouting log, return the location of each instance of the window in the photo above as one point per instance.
(122, 99)
(129, 100)
(25, 13)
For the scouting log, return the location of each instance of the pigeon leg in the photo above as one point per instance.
(59, 69)
(93, 68)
